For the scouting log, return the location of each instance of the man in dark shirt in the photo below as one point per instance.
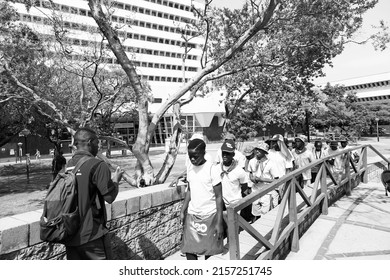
(95, 187)
(57, 164)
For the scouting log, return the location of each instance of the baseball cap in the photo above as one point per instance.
(248, 150)
(263, 146)
(228, 146)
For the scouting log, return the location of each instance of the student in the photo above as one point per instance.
(95, 187)
(319, 152)
(336, 162)
(233, 178)
(202, 208)
(302, 157)
(249, 153)
(58, 163)
(265, 173)
(238, 156)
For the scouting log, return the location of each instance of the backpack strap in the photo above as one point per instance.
(80, 163)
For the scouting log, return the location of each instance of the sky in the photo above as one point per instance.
(356, 60)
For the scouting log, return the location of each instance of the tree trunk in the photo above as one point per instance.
(174, 146)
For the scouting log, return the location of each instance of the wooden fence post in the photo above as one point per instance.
(234, 244)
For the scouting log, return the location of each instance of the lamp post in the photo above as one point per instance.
(25, 132)
(377, 128)
(306, 107)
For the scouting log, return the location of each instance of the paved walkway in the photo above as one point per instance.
(356, 227)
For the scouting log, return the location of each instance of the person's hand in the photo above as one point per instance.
(218, 231)
(117, 176)
(182, 217)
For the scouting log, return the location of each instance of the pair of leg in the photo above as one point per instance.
(194, 257)
(98, 249)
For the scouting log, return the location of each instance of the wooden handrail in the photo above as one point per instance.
(319, 196)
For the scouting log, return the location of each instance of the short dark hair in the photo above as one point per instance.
(197, 144)
(83, 135)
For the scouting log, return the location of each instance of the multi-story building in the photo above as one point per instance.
(156, 34)
(372, 88)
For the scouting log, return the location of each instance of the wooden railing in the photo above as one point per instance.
(318, 198)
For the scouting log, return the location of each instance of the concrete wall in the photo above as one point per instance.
(144, 224)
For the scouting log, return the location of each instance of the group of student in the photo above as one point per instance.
(215, 184)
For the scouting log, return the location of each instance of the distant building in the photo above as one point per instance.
(155, 34)
(371, 88)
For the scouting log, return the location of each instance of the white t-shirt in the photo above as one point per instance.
(280, 162)
(231, 183)
(302, 159)
(201, 181)
(267, 169)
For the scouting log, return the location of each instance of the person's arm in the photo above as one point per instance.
(218, 231)
(108, 186)
(184, 207)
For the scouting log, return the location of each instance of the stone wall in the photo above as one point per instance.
(144, 224)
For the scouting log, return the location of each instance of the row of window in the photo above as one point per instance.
(84, 12)
(150, 65)
(374, 98)
(369, 85)
(76, 26)
(145, 64)
(161, 2)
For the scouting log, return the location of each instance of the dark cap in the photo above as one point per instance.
(228, 146)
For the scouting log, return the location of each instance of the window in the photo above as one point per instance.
(159, 15)
(121, 20)
(161, 41)
(154, 26)
(157, 78)
(65, 9)
(148, 25)
(144, 64)
(173, 55)
(114, 18)
(129, 35)
(168, 66)
(156, 65)
(174, 80)
(148, 52)
(136, 36)
(166, 28)
(73, 10)
(173, 67)
(166, 16)
(141, 10)
(169, 79)
(167, 54)
(151, 78)
(142, 24)
(147, 11)
(155, 52)
(143, 37)
(150, 65)
(135, 9)
(82, 12)
(154, 13)
(160, 27)
(127, 7)
(163, 79)
(161, 53)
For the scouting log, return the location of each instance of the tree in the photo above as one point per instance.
(277, 67)
(260, 36)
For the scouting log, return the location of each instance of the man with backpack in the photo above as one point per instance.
(95, 187)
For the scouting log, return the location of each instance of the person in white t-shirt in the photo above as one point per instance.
(265, 173)
(238, 156)
(202, 208)
(234, 178)
(302, 157)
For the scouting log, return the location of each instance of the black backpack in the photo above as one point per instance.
(60, 219)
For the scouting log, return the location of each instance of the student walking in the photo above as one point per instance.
(302, 157)
(319, 152)
(202, 208)
(233, 178)
(95, 187)
(265, 173)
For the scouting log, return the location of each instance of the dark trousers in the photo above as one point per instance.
(98, 249)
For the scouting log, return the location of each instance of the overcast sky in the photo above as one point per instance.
(356, 60)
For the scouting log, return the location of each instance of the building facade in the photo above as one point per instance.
(156, 34)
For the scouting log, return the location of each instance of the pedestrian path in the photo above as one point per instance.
(356, 227)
